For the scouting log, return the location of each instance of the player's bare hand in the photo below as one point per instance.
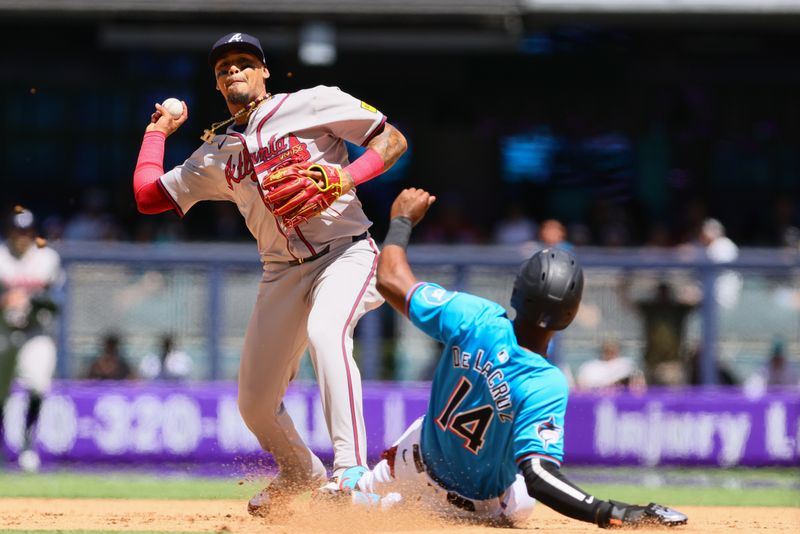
(412, 203)
(162, 121)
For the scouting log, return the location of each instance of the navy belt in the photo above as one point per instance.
(300, 261)
(453, 498)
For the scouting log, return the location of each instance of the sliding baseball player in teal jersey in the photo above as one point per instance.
(492, 440)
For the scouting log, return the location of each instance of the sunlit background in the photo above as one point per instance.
(620, 129)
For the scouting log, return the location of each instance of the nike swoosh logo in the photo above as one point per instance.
(404, 455)
(219, 146)
(590, 500)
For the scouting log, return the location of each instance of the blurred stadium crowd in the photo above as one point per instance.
(627, 136)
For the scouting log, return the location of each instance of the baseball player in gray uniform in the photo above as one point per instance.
(29, 271)
(319, 276)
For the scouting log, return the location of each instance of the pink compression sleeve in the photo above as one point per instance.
(149, 168)
(366, 167)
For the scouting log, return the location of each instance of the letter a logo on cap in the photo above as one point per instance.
(236, 37)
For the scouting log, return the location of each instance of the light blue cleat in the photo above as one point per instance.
(361, 498)
(348, 483)
(348, 480)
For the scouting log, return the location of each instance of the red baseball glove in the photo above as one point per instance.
(296, 198)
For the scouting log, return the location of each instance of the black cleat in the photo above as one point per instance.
(665, 516)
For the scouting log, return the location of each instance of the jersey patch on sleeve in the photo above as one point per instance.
(368, 107)
(435, 296)
(549, 432)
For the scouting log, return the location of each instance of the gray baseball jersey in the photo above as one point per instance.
(309, 125)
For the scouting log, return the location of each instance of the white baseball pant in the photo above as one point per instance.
(316, 305)
(36, 363)
(514, 505)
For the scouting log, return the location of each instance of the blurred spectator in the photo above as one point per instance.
(110, 365)
(664, 322)
(610, 370)
(720, 249)
(516, 228)
(553, 234)
(93, 222)
(168, 364)
(778, 371)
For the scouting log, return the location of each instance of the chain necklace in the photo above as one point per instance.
(208, 133)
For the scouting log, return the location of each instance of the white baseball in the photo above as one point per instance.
(174, 106)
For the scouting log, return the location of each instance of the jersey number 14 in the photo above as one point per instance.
(469, 424)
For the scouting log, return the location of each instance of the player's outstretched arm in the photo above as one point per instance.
(150, 165)
(548, 485)
(395, 277)
(390, 144)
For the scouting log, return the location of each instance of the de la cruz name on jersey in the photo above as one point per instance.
(494, 379)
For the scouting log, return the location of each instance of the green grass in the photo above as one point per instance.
(693, 486)
(120, 485)
(717, 487)
(696, 496)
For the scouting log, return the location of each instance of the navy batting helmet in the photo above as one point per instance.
(548, 289)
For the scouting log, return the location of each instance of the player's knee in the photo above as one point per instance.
(257, 412)
(246, 410)
(323, 334)
(518, 504)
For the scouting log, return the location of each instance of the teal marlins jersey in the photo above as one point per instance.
(493, 403)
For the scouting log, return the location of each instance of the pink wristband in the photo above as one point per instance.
(366, 167)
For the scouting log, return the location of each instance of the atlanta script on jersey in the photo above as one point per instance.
(311, 125)
(493, 403)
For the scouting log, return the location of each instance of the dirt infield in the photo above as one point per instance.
(230, 517)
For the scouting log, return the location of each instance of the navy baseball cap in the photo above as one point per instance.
(236, 41)
(22, 220)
